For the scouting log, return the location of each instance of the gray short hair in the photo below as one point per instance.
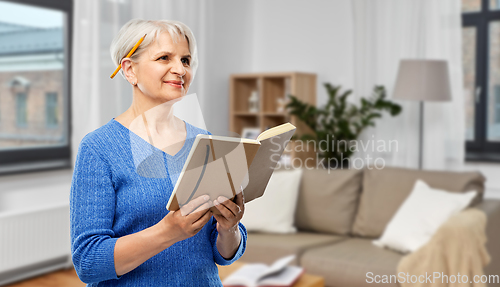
(134, 29)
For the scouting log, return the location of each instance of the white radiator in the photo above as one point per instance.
(34, 242)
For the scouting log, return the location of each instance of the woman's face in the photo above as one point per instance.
(164, 71)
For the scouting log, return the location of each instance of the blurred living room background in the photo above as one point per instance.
(55, 88)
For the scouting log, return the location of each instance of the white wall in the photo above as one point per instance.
(276, 36)
(310, 36)
(34, 190)
(228, 51)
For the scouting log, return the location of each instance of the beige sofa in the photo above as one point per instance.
(339, 213)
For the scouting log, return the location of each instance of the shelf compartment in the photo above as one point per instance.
(242, 89)
(274, 88)
(245, 121)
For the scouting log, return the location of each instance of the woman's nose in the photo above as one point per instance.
(178, 68)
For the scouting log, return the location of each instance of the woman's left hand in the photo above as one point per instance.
(231, 212)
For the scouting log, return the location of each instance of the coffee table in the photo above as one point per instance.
(306, 280)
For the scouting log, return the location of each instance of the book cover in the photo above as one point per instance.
(219, 165)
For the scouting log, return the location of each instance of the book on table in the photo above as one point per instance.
(261, 275)
(219, 165)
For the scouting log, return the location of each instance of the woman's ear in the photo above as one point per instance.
(128, 70)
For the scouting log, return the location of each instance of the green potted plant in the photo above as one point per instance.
(338, 124)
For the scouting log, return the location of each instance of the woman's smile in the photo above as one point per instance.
(176, 84)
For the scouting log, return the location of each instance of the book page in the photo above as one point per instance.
(278, 265)
(263, 165)
(203, 175)
(246, 275)
(275, 131)
(285, 278)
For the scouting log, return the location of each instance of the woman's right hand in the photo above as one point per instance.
(187, 221)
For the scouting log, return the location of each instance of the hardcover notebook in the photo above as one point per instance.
(219, 165)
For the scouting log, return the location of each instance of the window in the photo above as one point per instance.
(51, 110)
(21, 114)
(35, 84)
(481, 64)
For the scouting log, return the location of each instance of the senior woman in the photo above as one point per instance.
(121, 232)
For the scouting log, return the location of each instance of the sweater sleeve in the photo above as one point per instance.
(92, 210)
(241, 248)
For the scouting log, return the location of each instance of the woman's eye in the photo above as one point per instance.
(186, 61)
(162, 58)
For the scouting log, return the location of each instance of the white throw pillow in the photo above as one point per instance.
(420, 215)
(274, 211)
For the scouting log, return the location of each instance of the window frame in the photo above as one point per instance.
(497, 104)
(47, 158)
(480, 149)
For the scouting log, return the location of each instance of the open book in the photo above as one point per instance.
(260, 275)
(219, 165)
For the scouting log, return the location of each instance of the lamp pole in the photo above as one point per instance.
(421, 138)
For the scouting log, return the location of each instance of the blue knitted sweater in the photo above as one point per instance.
(121, 185)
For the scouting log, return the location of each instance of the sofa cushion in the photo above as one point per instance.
(267, 248)
(328, 200)
(346, 263)
(420, 216)
(274, 211)
(385, 190)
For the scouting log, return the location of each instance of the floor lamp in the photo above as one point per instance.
(423, 81)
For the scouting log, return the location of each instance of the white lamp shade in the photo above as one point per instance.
(423, 80)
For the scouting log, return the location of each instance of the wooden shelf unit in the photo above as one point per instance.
(270, 87)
